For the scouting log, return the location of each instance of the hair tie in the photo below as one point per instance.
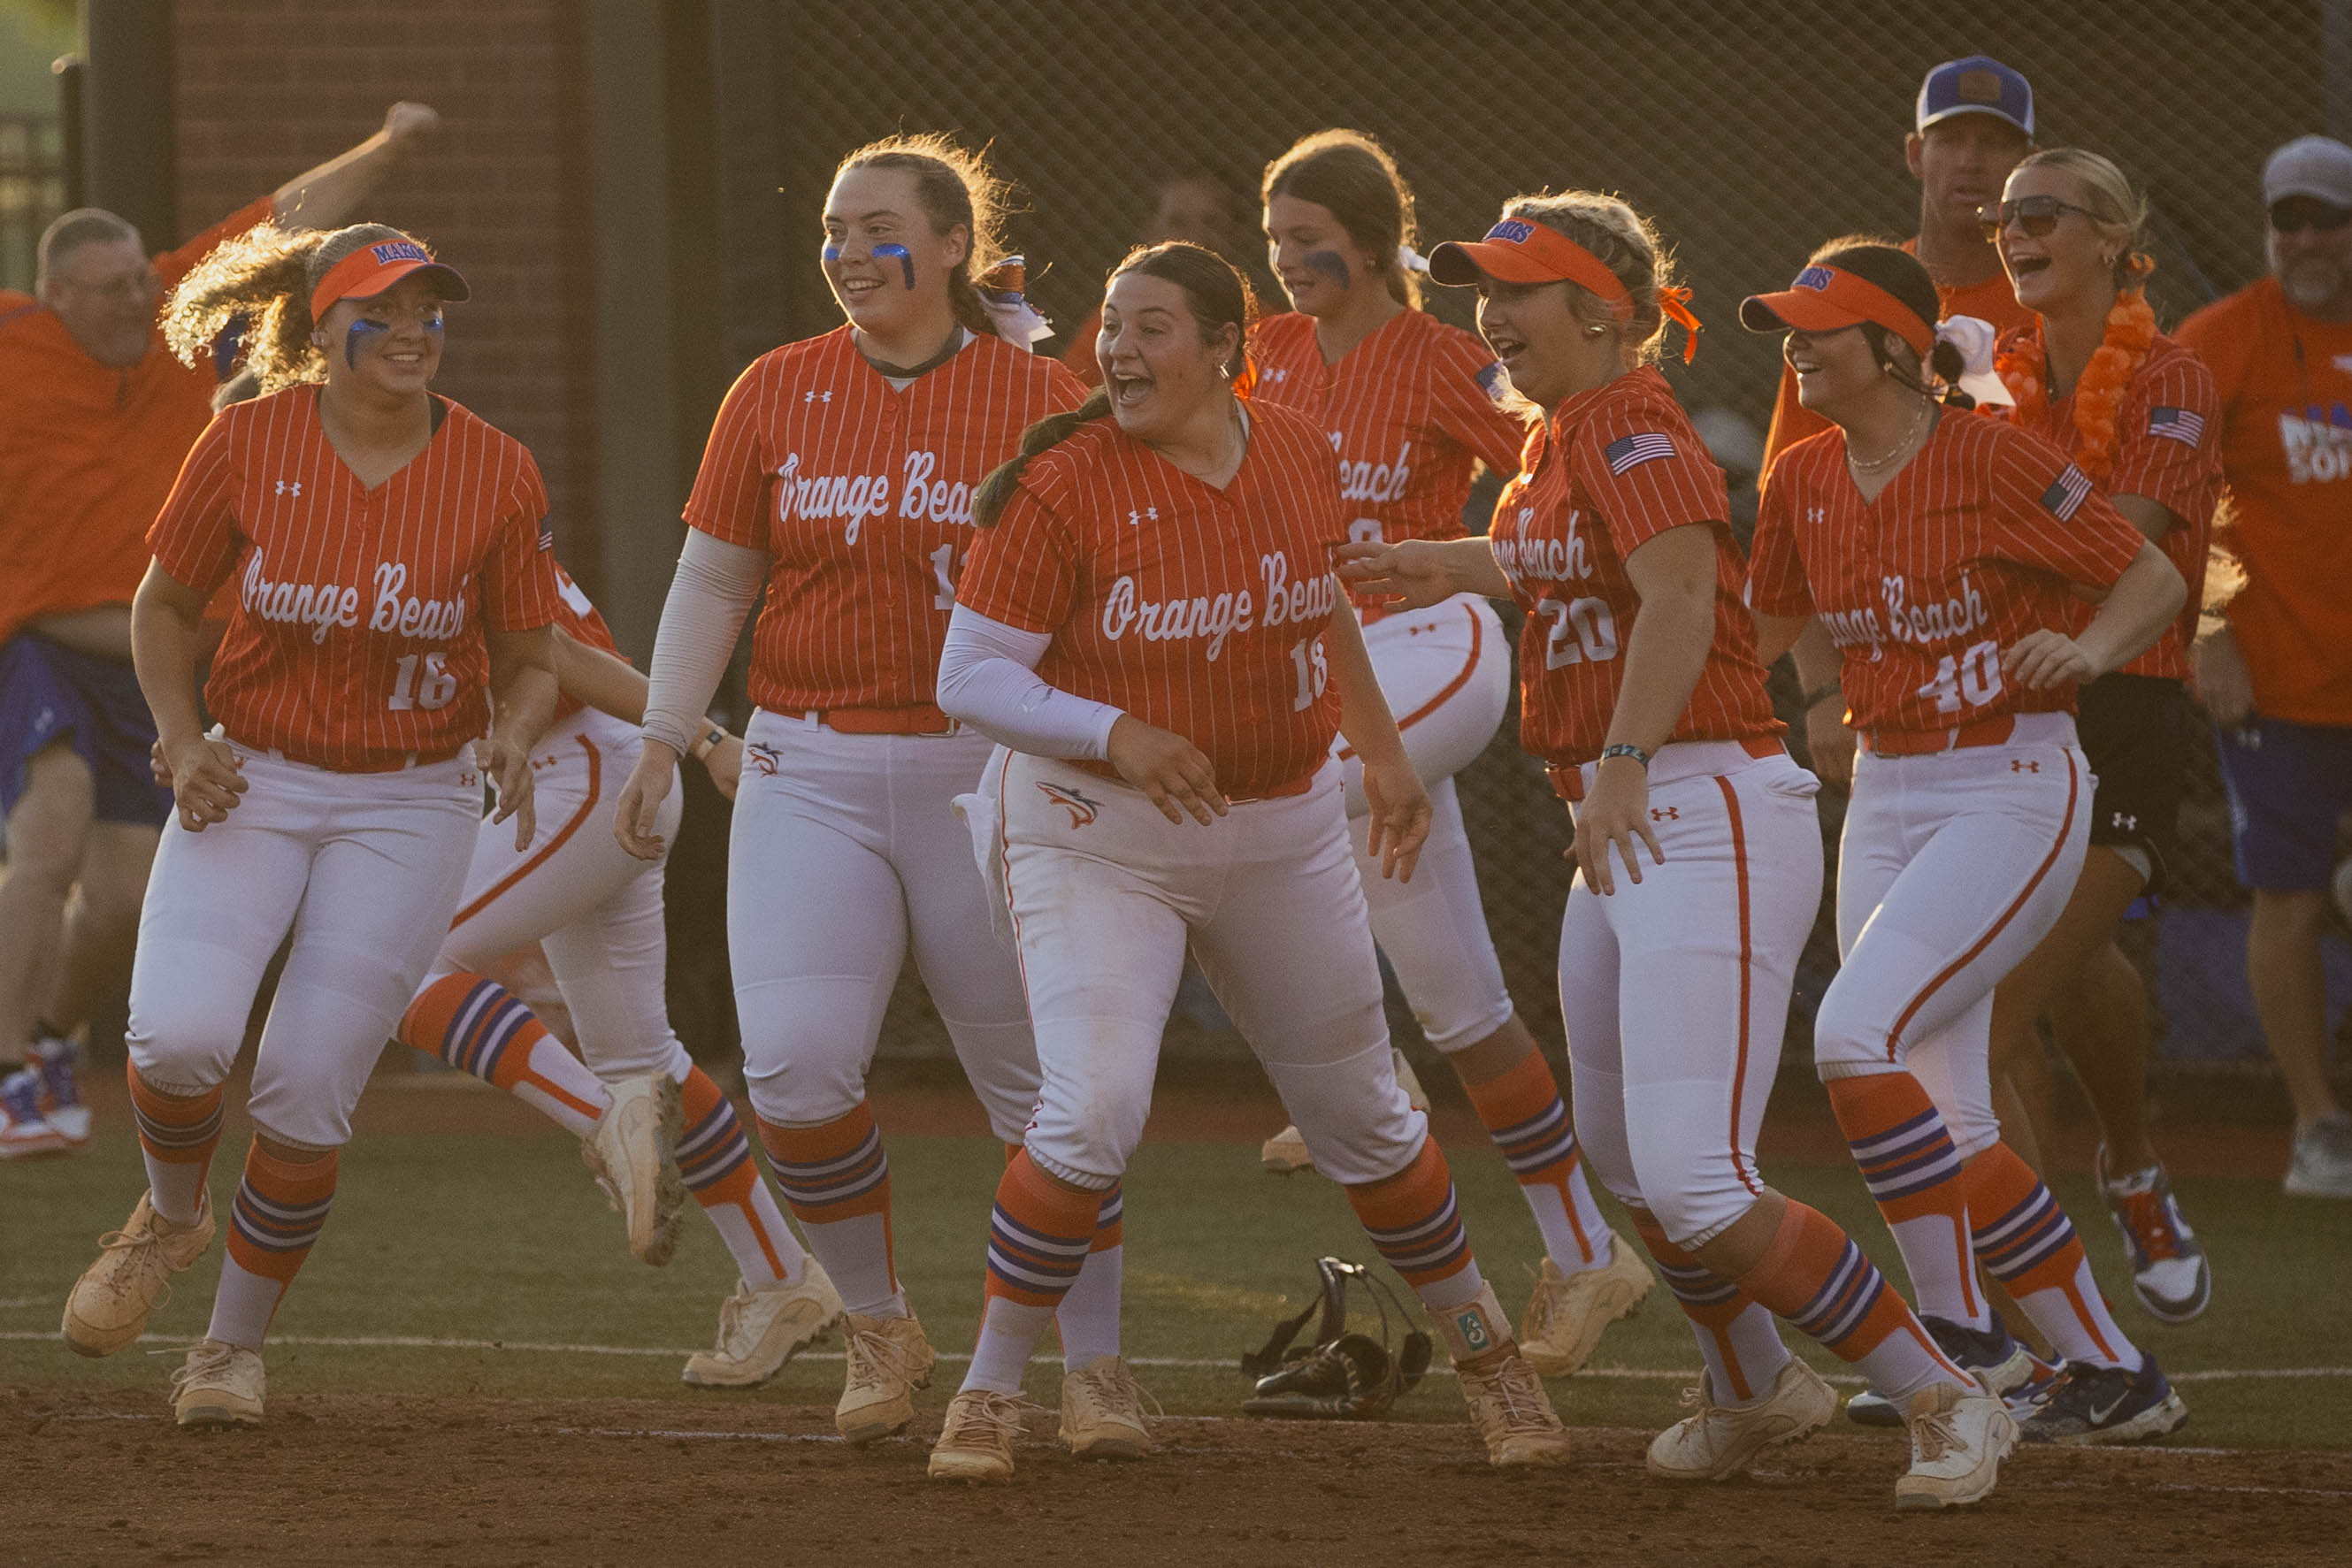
(1413, 261)
(1674, 304)
(1975, 341)
(1009, 311)
(1245, 379)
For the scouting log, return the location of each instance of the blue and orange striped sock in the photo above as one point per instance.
(1814, 1276)
(281, 1205)
(1415, 1223)
(836, 1179)
(1907, 1156)
(1524, 1113)
(1736, 1336)
(2028, 1244)
(177, 1136)
(1039, 1237)
(478, 1025)
(715, 1158)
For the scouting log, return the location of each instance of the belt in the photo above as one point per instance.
(1993, 731)
(1568, 778)
(922, 718)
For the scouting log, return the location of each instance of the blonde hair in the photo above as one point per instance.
(264, 276)
(955, 185)
(2116, 205)
(1626, 243)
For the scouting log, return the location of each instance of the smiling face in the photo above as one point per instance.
(2067, 264)
(1542, 337)
(1158, 367)
(389, 346)
(887, 268)
(104, 294)
(1962, 163)
(1319, 264)
(1835, 369)
(2314, 266)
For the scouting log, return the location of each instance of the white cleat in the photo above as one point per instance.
(888, 1360)
(1102, 1412)
(1567, 1312)
(218, 1386)
(976, 1441)
(1958, 1441)
(1717, 1441)
(632, 1152)
(108, 1305)
(761, 1331)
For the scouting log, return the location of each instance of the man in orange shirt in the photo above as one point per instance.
(2276, 672)
(95, 417)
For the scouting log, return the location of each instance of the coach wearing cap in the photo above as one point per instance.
(2274, 666)
(1973, 122)
(95, 418)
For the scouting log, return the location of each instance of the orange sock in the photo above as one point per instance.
(281, 1205)
(1414, 1222)
(836, 1179)
(1039, 1234)
(2028, 1244)
(1899, 1140)
(177, 1136)
(1744, 1355)
(1814, 1276)
(478, 1025)
(1524, 1113)
(715, 1158)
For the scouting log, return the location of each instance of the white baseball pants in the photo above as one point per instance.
(595, 908)
(1952, 867)
(365, 869)
(1675, 989)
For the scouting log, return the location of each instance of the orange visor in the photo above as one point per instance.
(1517, 250)
(1826, 299)
(372, 268)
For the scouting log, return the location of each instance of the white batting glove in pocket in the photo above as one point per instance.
(983, 819)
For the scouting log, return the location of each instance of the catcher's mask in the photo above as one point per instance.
(1341, 1375)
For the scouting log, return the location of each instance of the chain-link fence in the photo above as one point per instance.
(32, 191)
(1751, 129)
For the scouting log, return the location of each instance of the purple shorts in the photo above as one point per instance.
(2289, 784)
(50, 693)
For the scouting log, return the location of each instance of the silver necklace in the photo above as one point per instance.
(1873, 464)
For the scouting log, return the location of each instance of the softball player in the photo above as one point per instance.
(1938, 552)
(1642, 690)
(840, 475)
(391, 556)
(1150, 624)
(1410, 404)
(2139, 415)
(653, 1125)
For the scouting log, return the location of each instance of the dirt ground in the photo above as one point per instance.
(577, 1483)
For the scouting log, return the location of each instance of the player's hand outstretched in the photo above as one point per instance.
(1175, 773)
(205, 781)
(724, 763)
(507, 766)
(1401, 816)
(1616, 811)
(1409, 573)
(2045, 658)
(640, 807)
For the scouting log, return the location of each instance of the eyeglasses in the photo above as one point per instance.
(128, 288)
(2307, 212)
(2037, 216)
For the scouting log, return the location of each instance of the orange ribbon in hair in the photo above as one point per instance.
(1675, 304)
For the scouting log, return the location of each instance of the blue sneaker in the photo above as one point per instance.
(1990, 1355)
(52, 1061)
(2106, 1405)
(23, 1129)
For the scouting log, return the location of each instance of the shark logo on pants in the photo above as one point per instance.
(1082, 811)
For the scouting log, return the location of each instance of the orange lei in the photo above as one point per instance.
(2024, 367)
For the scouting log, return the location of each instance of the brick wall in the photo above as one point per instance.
(268, 87)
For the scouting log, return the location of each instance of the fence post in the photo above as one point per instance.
(130, 169)
(72, 144)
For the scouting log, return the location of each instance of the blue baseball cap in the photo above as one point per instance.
(1977, 85)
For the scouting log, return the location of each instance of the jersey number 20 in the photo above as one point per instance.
(1582, 631)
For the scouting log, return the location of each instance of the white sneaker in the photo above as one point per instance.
(1285, 1153)
(1958, 1441)
(219, 1386)
(888, 1360)
(2323, 1161)
(760, 1331)
(1508, 1407)
(24, 1130)
(51, 1060)
(976, 1440)
(1567, 1312)
(632, 1151)
(1102, 1412)
(1718, 1442)
(108, 1305)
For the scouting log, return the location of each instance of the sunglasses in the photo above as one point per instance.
(2307, 212)
(2036, 214)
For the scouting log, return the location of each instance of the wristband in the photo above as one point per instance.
(1635, 752)
(705, 742)
(1822, 692)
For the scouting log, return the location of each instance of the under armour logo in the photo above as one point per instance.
(294, 489)
(1136, 519)
(2128, 824)
(2023, 765)
(764, 758)
(469, 780)
(1277, 376)
(1417, 631)
(824, 396)
(1081, 810)
(1665, 813)
(1817, 514)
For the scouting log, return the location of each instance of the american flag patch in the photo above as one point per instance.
(2184, 425)
(547, 531)
(1632, 451)
(2066, 493)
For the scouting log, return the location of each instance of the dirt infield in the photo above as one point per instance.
(572, 1483)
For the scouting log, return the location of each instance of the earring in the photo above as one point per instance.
(1596, 331)
(1225, 373)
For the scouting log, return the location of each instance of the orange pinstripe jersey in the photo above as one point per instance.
(578, 615)
(1970, 547)
(357, 638)
(1200, 611)
(1407, 410)
(87, 453)
(2167, 448)
(862, 497)
(1614, 468)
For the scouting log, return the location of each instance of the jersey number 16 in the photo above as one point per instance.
(421, 681)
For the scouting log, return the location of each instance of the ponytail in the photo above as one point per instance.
(264, 276)
(1948, 365)
(995, 492)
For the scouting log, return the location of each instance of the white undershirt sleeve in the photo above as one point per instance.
(988, 678)
(716, 585)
